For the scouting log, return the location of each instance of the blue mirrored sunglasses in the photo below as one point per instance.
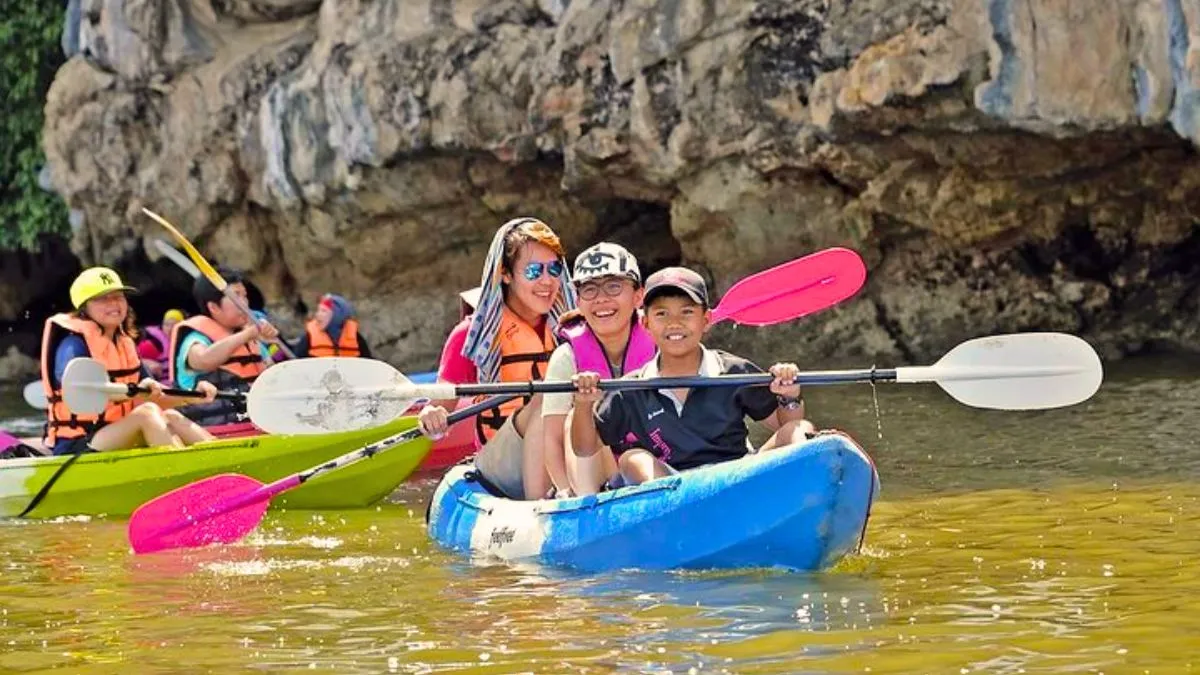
(533, 271)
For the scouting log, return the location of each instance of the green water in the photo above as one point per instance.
(1057, 541)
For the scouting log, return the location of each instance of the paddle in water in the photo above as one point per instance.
(212, 274)
(225, 508)
(87, 389)
(1021, 371)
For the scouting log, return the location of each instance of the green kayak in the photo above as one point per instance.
(116, 483)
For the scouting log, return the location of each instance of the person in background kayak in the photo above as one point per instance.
(657, 433)
(102, 328)
(524, 289)
(605, 336)
(333, 331)
(220, 345)
(156, 342)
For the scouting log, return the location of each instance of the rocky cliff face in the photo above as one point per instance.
(1002, 165)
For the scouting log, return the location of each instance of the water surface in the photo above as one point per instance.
(1054, 541)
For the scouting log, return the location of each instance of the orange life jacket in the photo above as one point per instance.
(119, 357)
(522, 353)
(320, 344)
(245, 364)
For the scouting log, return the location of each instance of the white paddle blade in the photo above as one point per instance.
(177, 257)
(324, 395)
(1022, 371)
(86, 387)
(35, 396)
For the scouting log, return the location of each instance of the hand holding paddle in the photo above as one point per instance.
(212, 274)
(87, 389)
(1022, 371)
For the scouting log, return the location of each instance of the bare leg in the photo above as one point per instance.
(557, 459)
(638, 466)
(188, 431)
(587, 474)
(789, 434)
(528, 424)
(146, 426)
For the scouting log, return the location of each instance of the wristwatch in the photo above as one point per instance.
(789, 403)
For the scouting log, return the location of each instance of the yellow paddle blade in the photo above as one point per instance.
(206, 269)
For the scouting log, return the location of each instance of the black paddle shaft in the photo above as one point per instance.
(188, 393)
(691, 381)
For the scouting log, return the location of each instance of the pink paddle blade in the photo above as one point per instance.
(198, 514)
(793, 289)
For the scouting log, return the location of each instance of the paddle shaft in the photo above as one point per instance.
(297, 479)
(903, 374)
(132, 390)
(245, 309)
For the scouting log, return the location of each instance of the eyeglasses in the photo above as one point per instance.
(612, 288)
(533, 271)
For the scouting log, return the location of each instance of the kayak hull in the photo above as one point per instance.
(798, 508)
(116, 483)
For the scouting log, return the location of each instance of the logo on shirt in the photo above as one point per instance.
(657, 443)
(654, 414)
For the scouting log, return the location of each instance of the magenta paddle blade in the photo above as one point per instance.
(215, 510)
(793, 289)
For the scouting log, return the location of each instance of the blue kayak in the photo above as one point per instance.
(802, 508)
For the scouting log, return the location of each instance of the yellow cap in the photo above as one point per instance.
(172, 315)
(93, 282)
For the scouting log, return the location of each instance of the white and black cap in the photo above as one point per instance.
(605, 260)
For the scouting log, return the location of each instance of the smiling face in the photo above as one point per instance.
(609, 314)
(109, 310)
(677, 323)
(534, 297)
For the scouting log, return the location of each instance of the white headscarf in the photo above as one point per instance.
(482, 345)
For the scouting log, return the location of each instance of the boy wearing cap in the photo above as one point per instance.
(656, 433)
(605, 336)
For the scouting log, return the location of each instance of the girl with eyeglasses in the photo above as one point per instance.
(509, 338)
(603, 336)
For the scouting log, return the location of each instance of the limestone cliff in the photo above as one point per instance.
(1002, 165)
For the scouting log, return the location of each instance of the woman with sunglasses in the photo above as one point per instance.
(509, 338)
(603, 336)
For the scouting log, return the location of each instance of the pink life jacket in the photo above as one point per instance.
(589, 353)
(156, 335)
